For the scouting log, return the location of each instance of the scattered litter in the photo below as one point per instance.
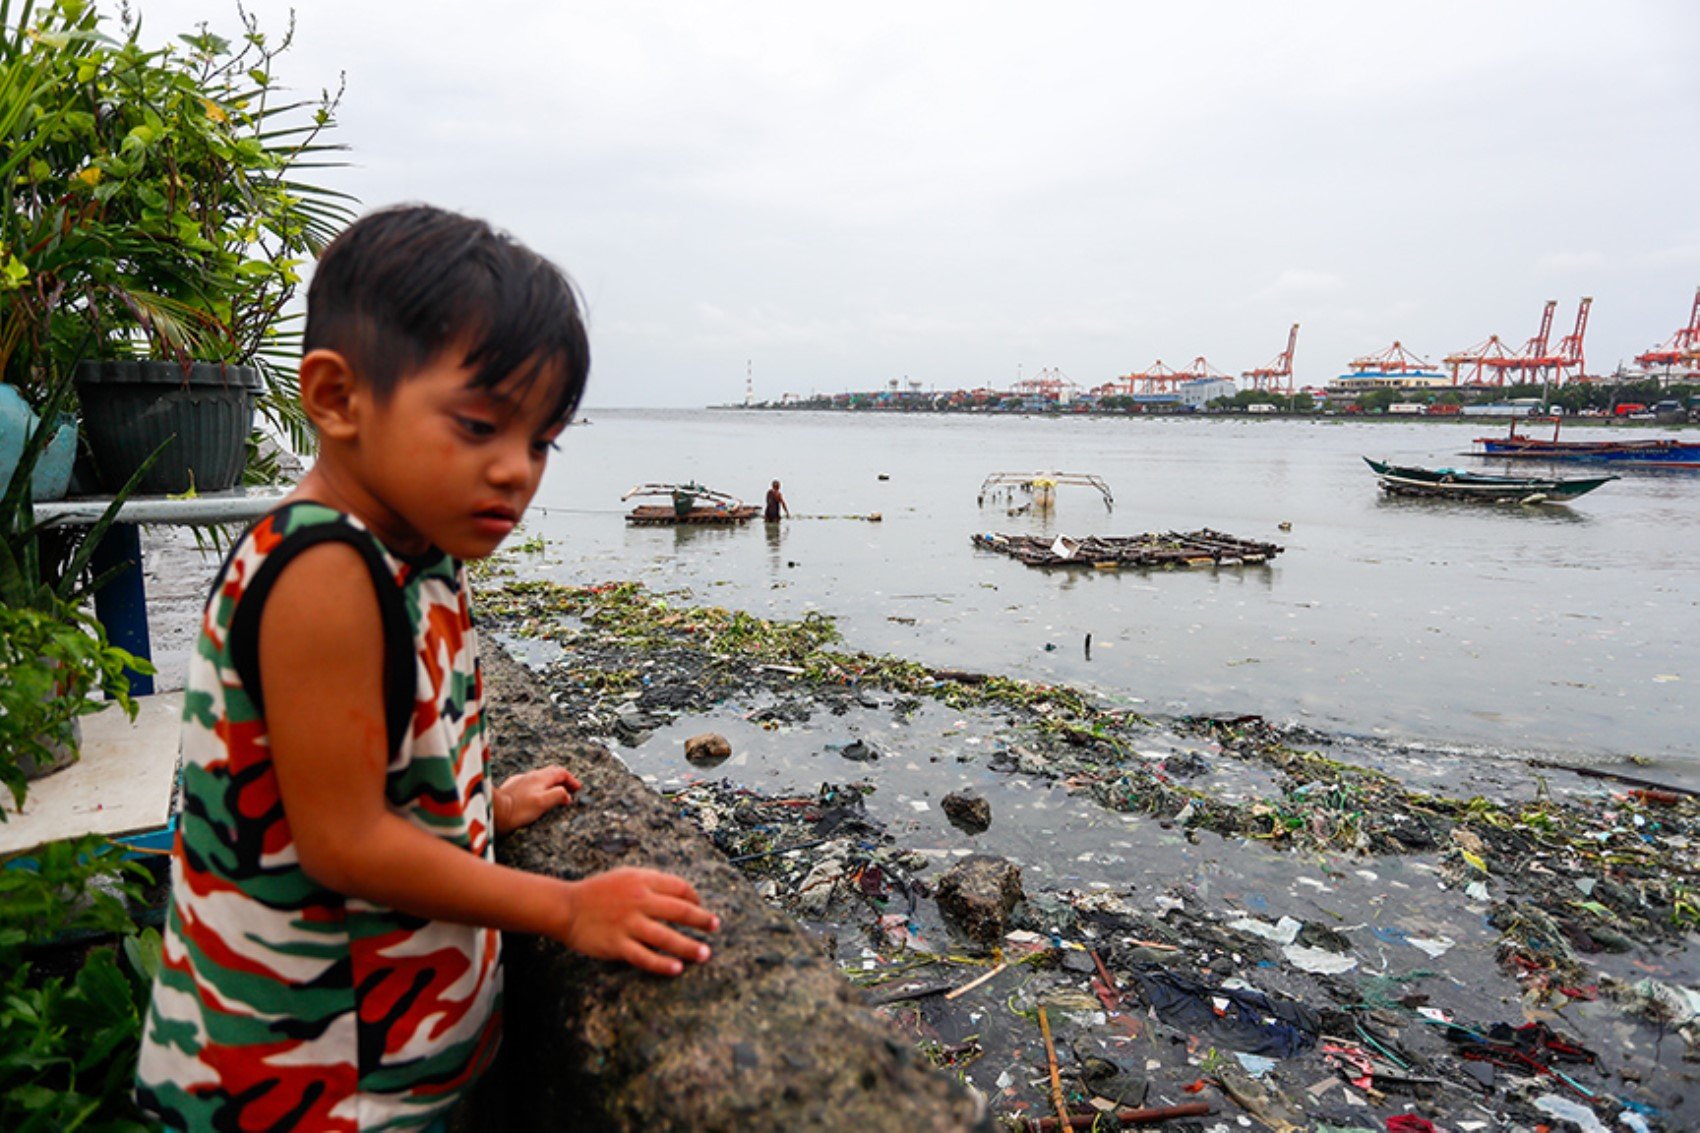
(1284, 931)
(1256, 1065)
(1174, 959)
(1438, 947)
(1168, 550)
(1319, 960)
(1579, 1115)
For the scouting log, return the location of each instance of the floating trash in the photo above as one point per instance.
(1168, 550)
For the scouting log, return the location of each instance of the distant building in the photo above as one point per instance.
(1200, 392)
(1406, 380)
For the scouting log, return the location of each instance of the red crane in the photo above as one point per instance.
(1481, 356)
(1050, 384)
(1279, 373)
(1200, 369)
(1570, 346)
(1681, 348)
(1528, 363)
(1158, 378)
(1394, 360)
(1493, 363)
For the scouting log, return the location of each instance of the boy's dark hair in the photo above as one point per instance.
(401, 285)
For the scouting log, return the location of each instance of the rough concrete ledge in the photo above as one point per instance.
(767, 1033)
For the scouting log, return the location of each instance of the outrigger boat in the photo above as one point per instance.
(688, 503)
(1040, 488)
(1666, 452)
(1453, 484)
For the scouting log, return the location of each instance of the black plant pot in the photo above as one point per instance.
(202, 414)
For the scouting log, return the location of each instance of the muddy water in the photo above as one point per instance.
(1407, 926)
(1570, 631)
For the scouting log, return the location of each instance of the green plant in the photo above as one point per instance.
(50, 661)
(68, 1042)
(152, 198)
(53, 654)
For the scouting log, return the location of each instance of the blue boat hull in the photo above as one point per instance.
(1663, 452)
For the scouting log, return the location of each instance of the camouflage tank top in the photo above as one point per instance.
(279, 1003)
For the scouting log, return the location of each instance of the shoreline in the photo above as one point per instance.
(1570, 421)
(1545, 897)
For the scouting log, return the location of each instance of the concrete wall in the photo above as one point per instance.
(767, 1034)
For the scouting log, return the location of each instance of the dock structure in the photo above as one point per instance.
(1162, 551)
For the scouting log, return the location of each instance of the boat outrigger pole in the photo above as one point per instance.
(691, 503)
(1042, 486)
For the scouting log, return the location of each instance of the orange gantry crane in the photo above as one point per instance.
(1527, 363)
(1394, 360)
(1494, 363)
(1155, 378)
(1680, 350)
(1278, 375)
(1199, 369)
(1480, 357)
(1570, 346)
(1051, 384)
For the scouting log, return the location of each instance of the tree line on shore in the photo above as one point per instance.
(1606, 398)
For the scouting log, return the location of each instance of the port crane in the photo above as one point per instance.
(1278, 375)
(1681, 349)
(1570, 346)
(1494, 363)
(1157, 378)
(1394, 360)
(1200, 369)
(1480, 357)
(1051, 384)
(1533, 359)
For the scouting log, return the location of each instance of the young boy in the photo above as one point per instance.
(332, 951)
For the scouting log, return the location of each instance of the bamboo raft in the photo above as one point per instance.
(1166, 551)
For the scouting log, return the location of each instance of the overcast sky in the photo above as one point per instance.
(959, 194)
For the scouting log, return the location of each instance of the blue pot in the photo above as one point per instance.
(52, 474)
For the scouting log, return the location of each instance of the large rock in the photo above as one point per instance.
(977, 894)
(967, 812)
(707, 748)
(768, 1034)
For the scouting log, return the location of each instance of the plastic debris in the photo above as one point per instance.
(1579, 1115)
(1284, 931)
(1256, 1065)
(1319, 960)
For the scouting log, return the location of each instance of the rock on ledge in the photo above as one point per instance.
(767, 1034)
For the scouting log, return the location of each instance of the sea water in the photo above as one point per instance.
(1570, 631)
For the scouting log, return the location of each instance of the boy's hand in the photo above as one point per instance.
(526, 797)
(626, 914)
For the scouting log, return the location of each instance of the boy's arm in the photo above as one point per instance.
(321, 656)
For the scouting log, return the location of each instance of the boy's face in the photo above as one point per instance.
(451, 465)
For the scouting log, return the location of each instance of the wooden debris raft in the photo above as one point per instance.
(1203, 548)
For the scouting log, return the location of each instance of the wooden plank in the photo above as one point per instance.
(122, 784)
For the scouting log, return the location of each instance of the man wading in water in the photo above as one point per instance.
(775, 502)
